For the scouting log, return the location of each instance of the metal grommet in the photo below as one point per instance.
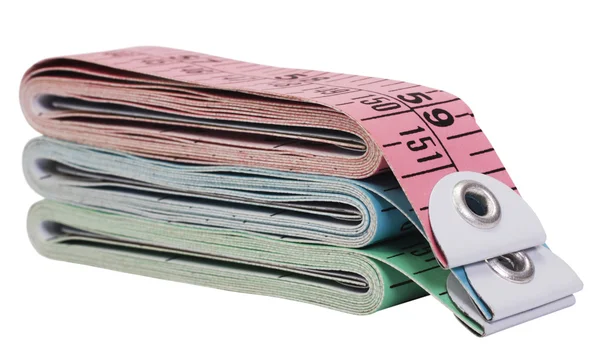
(476, 204)
(515, 267)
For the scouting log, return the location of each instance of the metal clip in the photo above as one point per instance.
(515, 267)
(502, 272)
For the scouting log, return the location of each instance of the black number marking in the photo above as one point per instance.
(439, 117)
(421, 251)
(291, 76)
(123, 53)
(198, 70)
(437, 155)
(155, 61)
(193, 58)
(374, 100)
(297, 79)
(423, 144)
(415, 97)
(380, 104)
(184, 57)
(331, 91)
(386, 106)
(410, 132)
(240, 78)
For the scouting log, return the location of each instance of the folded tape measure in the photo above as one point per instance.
(240, 176)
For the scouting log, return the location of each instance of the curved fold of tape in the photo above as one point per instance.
(461, 276)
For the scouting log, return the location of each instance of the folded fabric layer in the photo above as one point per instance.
(165, 119)
(358, 281)
(291, 206)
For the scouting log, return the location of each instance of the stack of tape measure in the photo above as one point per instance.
(353, 193)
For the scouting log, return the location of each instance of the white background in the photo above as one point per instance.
(529, 71)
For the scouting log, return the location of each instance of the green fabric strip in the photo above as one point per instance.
(358, 281)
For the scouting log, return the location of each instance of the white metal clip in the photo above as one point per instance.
(495, 245)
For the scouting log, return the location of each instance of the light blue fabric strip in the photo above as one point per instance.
(296, 207)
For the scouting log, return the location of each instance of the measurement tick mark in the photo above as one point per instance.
(358, 98)
(464, 114)
(396, 255)
(437, 103)
(391, 84)
(364, 84)
(362, 79)
(392, 144)
(463, 134)
(428, 171)
(399, 89)
(386, 115)
(482, 152)
(427, 269)
(494, 171)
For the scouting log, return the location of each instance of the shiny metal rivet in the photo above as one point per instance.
(483, 196)
(515, 267)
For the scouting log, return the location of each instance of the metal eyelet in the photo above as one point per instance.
(514, 267)
(476, 204)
